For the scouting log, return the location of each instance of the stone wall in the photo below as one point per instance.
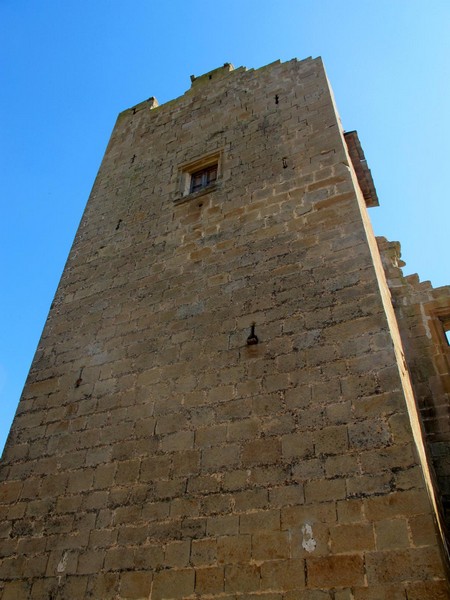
(155, 453)
(423, 314)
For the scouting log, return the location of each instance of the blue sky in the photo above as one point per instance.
(69, 67)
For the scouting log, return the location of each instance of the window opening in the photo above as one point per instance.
(445, 322)
(199, 176)
(203, 178)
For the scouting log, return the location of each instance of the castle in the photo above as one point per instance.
(237, 393)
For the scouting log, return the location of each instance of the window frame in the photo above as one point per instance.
(439, 316)
(445, 323)
(204, 175)
(203, 166)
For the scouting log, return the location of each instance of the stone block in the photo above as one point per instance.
(331, 440)
(136, 584)
(399, 504)
(234, 549)
(209, 580)
(242, 578)
(261, 452)
(263, 520)
(400, 565)
(391, 534)
(220, 457)
(271, 545)
(104, 585)
(10, 491)
(325, 490)
(283, 575)
(90, 561)
(223, 525)
(16, 590)
(173, 584)
(335, 571)
(286, 495)
(350, 511)
(431, 590)
(203, 552)
(298, 445)
(352, 537)
(176, 554)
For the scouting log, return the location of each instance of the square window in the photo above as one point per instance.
(199, 176)
(203, 178)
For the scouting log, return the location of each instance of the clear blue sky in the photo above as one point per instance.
(69, 67)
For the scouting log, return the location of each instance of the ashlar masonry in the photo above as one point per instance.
(237, 394)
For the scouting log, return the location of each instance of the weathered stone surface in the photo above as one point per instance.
(423, 315)
(157, 452)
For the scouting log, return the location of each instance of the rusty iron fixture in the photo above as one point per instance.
(252, 338)
(79, 380)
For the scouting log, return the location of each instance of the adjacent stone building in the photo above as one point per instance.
(224, 402)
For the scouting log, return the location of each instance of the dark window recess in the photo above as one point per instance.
(445, 322)
(203, 178)
(447, 335)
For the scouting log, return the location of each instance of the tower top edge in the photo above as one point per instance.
(217, 74)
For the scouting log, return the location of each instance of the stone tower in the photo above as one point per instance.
(220, 404)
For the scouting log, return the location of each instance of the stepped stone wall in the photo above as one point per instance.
(157, 451)
(423, 314)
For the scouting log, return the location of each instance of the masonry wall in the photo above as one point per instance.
(157, 455)
(423, 314)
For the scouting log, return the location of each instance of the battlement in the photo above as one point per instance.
(211, 75)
